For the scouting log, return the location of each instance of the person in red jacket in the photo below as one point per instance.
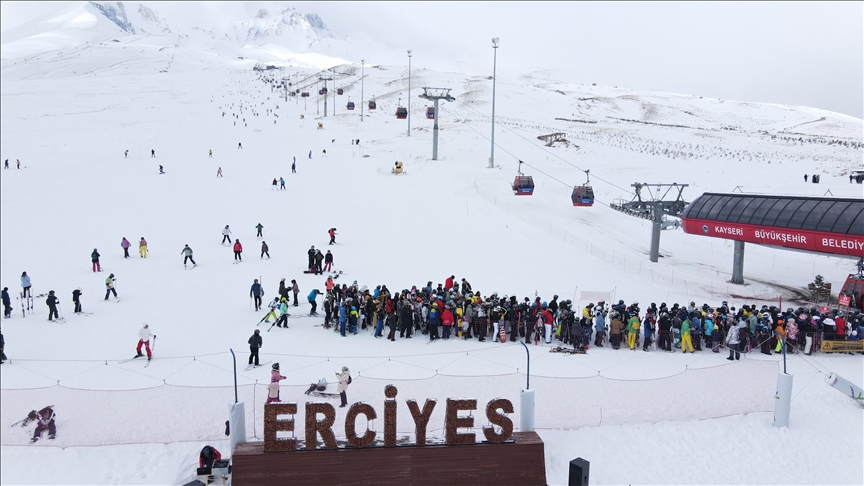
(548, 320)
(447, 321)
(448, 284)
(208, 456)
(332, 233)
(238, 249)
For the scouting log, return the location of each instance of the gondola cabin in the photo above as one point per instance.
(523, 185)
(852, 293)
(305, 94)
(372, 105)
(430, 112)
(350, 105)
(582, 196)
(401, 113)
(322, 91)
(339, 91)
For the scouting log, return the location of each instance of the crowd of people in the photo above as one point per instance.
(454, 310)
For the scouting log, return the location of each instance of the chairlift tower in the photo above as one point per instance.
(656, 208)
(436, 94)
(325, 78)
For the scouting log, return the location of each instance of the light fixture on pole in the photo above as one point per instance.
(494, 72)
(362, 67)
(409, 92)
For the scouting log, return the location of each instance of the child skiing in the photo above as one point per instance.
(109, 287)
(125, 245)
(273, 387)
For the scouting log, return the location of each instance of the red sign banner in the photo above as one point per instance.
(823, 242)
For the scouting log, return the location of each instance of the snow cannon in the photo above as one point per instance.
(846, 387)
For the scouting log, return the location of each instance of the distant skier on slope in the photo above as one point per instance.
(44, 421)
(255, 343)
(144, 335)
(142, 248)
(226, 235)
(109, 287)
(52, 302)
(187, 255)
(238, 250)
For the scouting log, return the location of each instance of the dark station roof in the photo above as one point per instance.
(830, 215)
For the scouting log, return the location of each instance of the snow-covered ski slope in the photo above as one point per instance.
(69, 115)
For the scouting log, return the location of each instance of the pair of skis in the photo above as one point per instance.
(153, 348)
(250, 367)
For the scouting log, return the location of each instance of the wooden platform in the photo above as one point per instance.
(520, 462)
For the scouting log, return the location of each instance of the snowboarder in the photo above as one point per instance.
(226, 235)
(332, 233)
(344, 381)
(319, 257)
(238, 249)
(273, 387)
(142, 248)
(296, 290)
(265, 250)
(125, 245)
(7, 303)
(311, 258)
(94, 258)
(254, 345)
(328, 261)
(144, 335)
(76, 299)
(52, 302)
(152, 153)
(25, 285)
(187, 255)
(312, 301)
(260, 228)
(109, 286)
(219, 172)
(255, 293)
(44, 421)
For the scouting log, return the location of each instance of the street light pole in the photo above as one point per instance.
(494, 78)
(409, 92)
(362, 75)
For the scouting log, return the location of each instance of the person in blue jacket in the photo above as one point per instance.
(311, 298)
(25, 284)
(433, 323)
(256, 293)
(343, 318)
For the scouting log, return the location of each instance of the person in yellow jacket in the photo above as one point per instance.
(686, 340)
(632, 331)
(142, 248)
(458, 315)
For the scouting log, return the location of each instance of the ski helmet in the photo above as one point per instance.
(275, 366)
(257, 331)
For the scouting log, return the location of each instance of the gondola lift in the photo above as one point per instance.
(522, 185)
(583, 195)
(339, 91)
(401, 111)
(372, 104)
(350, 105)
(430, 112)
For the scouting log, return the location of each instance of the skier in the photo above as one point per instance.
(273, 387)
(310, 154)
(254, 345)
(275, 183)
(7, 303)
(219, 172)
(52, 302)
(144, 336)
(296, 290)
(283, 314)
(344, 381)
(126, 154)
(320, 386)
(187, 255)
(272, 306)
(226, 235)
(324, 153)
(25, 285)
(238, 249)
(152, 153)
(255, 293)
(319, 257)
(265, 250)
(18, 163)
(294, 166)
(260, 228)
(3, 357)
(328, 261)
(311, 254)
(109, 286)
(281, 184)
(44, 421)
(125, 245)
(332, 233)
(76, 299)
(240, 145)
(142, 248)
(211, 153)
(311, 298)
(161, 169)
(94, 258)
